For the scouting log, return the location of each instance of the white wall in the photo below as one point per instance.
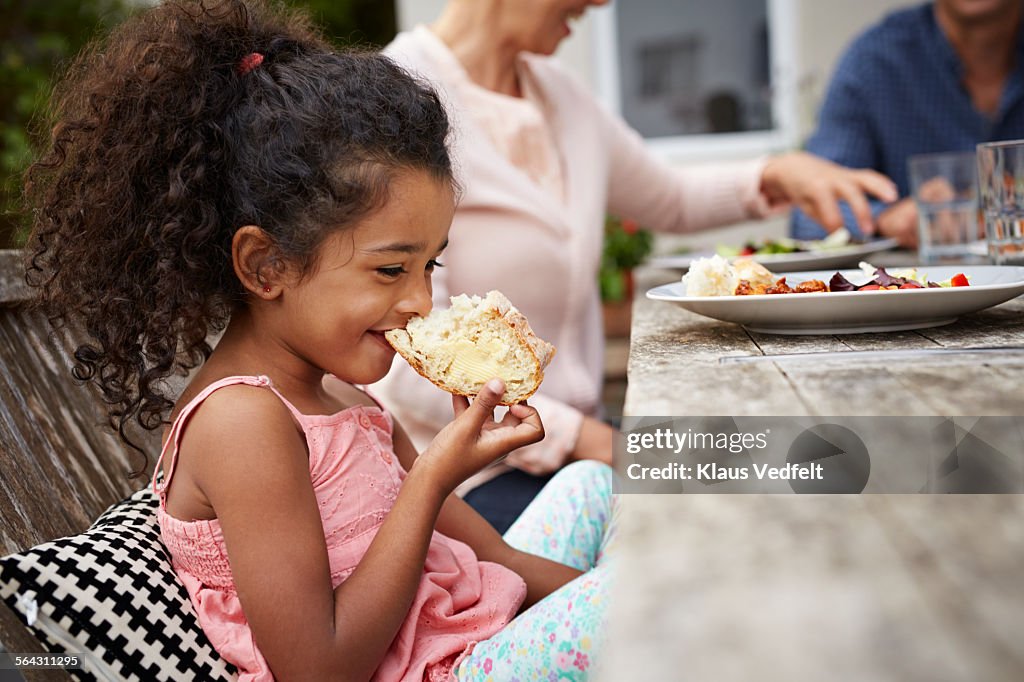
(826, 28)
(412, 12)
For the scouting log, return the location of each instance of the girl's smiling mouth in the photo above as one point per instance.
(378, 334)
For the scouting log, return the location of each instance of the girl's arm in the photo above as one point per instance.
(460, 521)
(543, 576)
(251, 462)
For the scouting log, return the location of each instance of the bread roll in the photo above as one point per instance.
(475, 340)
(755, 273)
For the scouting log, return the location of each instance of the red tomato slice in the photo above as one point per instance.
(960, 280)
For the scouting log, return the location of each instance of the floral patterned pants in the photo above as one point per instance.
(570, 521)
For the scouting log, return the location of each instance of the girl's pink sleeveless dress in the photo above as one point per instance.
(356, 477)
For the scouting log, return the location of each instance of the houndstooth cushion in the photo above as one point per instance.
(111, 594)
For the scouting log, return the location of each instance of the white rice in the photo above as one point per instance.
(712, 276)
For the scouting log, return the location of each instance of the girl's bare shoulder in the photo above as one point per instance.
(240, 427)
(240, 435)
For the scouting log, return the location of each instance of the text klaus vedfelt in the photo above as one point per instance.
(667, 439)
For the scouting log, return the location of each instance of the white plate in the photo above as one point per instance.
(800, 260)
(853, 312)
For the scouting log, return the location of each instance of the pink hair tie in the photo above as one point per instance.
(249, 62)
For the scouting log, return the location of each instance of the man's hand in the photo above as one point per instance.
(899, 222)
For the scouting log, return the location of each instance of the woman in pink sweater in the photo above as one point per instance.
(540, 163)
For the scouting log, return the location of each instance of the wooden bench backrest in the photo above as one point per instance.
(60, 465)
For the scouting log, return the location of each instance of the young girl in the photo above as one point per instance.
(214, 165)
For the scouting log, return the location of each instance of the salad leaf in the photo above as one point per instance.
(840, 283)
(884, 279)
(897, 278)
(782, 245)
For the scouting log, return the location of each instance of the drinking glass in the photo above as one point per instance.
(1001, 186)
(950, 228)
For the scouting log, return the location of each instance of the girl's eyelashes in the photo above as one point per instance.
(394, 271)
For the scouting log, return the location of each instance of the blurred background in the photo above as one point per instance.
(700, 80)
(38, 36)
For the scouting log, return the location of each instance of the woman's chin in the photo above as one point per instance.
(547, 44)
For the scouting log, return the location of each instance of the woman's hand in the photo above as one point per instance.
(474, 439)
(816, 186)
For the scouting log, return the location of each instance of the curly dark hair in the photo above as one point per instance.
(163, 145)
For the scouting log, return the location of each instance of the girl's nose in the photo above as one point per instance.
(418, 299)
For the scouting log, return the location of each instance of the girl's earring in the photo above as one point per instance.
(266, 290)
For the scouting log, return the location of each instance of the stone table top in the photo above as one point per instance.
(682, 363)
(731, 588)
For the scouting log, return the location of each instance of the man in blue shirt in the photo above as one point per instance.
(934, 78)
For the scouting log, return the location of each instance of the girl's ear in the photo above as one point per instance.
(257, 262)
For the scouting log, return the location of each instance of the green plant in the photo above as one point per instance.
(626, 245)
(369, 23)
(37, 37)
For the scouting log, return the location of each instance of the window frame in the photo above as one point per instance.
(783, 32)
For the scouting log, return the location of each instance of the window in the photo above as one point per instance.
(700, 79)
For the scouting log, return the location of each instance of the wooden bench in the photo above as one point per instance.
(60, 466)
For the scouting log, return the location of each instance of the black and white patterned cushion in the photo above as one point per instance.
(110, 593)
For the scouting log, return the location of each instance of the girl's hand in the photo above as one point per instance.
(474, 439)
(816, 186)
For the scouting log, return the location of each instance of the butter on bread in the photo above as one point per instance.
(476, 339)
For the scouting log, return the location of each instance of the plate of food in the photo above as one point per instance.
(839, 302)
(837, 250)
